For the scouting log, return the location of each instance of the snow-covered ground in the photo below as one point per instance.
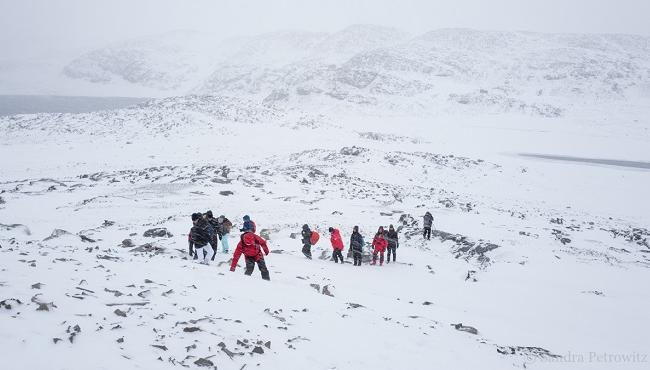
(533, 262)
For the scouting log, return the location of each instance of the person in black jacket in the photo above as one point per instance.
(393, 242)
(306, 241)
(213, 231)
(428, 221)
(356, 245)
(200, 238)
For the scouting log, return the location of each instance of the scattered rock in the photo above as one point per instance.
(7, 303)
(315, 286)
(116, 293)
(164, 348)
(267, 344)
(258, 350)
(158, 232)
(467, 329)
(86, 239)
(326, 291)
(120, 340)
(45, 306)
(119, 312)
(144, 293)
(56, 340)
(226, 193)
(191, 329)
(203, 362)
(354, 305)
(529, 352)
(73, 331)
(127, 243)
(148, 248)
(57, 233)
(37, 286)
(353, 151)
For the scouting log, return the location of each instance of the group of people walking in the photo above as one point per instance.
(384, 240)
(207, 231)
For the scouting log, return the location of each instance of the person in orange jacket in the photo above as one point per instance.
(337, 244)
(379, 243)
(251, 246)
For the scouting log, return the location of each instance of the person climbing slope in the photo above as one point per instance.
(247, 218)
(200, 238)
(306, 241)
(213, 232)
(224, 232)
(356, 245)
(379, 243)
(337, 245)
(428, 221)
(393, 243)
(251, 246)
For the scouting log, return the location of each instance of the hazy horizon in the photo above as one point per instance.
(36, 28)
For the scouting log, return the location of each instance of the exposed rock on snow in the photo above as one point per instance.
(57, 233)
(528, 352)
(127, 243)
(158, 232)
(465, 328)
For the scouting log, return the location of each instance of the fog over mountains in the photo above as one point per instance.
(380, 66)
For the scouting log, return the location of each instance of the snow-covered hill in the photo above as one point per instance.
(365, 65)
(531, 263)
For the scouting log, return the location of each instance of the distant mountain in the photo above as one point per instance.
(171, 61)
(373, 66)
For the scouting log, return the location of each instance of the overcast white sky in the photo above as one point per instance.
(33, 27)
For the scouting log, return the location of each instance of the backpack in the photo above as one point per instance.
(250, 248)
(314, 238)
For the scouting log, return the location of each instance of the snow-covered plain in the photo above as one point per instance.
(543, 263)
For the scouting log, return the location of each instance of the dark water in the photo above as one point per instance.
(21, 104)
(608, 162)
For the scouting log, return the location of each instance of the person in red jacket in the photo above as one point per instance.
(337, 244)
(379, 243)
(251, 246)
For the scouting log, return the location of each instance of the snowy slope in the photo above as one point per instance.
(531, 261)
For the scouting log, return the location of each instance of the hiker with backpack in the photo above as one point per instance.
(223, 230)
(213, 232)
(337, 245)
(428, 221)
(379, 244)
(200, 238)
(251, 246)
(247, 218)
(393, 243)
(356, 245)
(306, 241)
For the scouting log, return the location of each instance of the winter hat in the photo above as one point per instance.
(331, 229)
(196, 216)
(247, 218)
(305, 227)
(248, 226)
(356, 228)
(209, 214)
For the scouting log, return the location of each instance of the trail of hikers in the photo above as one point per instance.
(207, 231)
